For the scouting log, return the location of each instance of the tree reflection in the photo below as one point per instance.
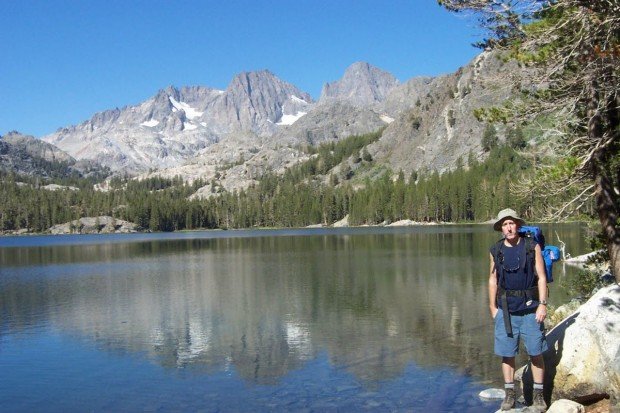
(265, 305)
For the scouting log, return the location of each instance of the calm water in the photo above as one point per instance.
(366, 319)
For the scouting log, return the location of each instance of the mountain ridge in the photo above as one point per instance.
(177, 123)
(234, 135)
(27, 155)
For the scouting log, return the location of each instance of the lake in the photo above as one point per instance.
(348, 319)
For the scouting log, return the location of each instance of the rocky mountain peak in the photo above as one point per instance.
(258, 102)
(28, 155)
(263, 85)
(13, 134)
(100, 119)
(35, 147)
(245, 82)
(163, 95)
(362, 85)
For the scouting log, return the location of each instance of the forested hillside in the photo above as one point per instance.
(321, 190)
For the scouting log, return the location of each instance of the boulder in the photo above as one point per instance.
(490, 394)
(90, 225)
(583, 360)
(566, 406)
(344, 222)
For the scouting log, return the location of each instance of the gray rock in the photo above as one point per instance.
(407, 95)
(585, 350)
(492, 394)
(566, 406)
(362, 84)
(344, 222)
(90, 225)
(583, 360)
(440, 127)
(330, 121)
(55, 187)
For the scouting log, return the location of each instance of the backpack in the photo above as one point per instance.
(550, 253)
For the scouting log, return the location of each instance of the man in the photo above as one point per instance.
(518, 303)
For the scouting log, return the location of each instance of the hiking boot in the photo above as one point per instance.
(509, 400)
(538, 401)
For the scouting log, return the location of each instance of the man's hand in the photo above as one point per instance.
(541, 313)
(494, 311)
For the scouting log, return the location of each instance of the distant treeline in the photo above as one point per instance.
(317, 191)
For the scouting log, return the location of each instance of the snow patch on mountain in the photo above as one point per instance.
(190, 113)
(290, 119)
(149, 123)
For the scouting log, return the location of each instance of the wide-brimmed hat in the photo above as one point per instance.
(507, 213)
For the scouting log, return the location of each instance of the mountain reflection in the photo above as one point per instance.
(264, 305)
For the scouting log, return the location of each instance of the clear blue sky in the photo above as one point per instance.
(62, 61)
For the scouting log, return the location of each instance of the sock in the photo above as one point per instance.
(538, 386)
(510, 385)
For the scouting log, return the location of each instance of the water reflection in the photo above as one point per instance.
(373, 302)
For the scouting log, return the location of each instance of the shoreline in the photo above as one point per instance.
(397, 224)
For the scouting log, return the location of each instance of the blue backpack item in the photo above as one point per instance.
(550, 253)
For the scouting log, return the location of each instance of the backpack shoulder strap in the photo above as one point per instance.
(496, 249)
(497, 253)
(530, 255)
(530, 245)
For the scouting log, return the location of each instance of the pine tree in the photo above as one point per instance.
(515, 138)
(489, 138)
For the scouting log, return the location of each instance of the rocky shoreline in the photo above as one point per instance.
(107, 225)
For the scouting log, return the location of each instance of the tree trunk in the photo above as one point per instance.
(605, 196)
(609, 217)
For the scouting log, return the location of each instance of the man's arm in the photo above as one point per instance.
(492, 287)
(541, 311)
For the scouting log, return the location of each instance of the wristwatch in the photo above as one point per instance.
(543, 302)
